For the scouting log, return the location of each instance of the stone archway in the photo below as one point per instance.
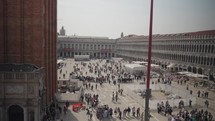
(189, 69)
(176, 69)
(211, 77)
(15, 113)
(199, 70)
(194, 70)
(180, 68)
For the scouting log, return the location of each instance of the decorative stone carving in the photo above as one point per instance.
(14, 89)
(31, 89)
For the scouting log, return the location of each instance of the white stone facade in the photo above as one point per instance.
(96, 47)
(194, 52)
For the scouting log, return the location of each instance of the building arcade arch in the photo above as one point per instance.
(15, 113)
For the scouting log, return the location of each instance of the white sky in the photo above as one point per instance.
(111, 17)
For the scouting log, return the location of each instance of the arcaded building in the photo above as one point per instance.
(193, 52)
(28, 36)
(96, 47)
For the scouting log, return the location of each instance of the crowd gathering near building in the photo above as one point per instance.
(106, 71)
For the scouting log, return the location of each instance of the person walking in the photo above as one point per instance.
(67, 104)
(206, 103)
(110, 112)
(91, 115)
(199, 93)
(133, 111)
(141, 117)
(64, 109)
(115, 111)
(191, 92)
(203, 94)
(82, 98)
(138, 112)
(190, 103)
(129, 110)
(116, 96)
(113, 96)
(120, 115)
(92, 87)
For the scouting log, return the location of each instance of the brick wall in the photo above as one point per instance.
(28, 35)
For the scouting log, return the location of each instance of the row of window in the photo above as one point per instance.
(71, 54)
(185, 58)
(87, 46)
(177, 42)
(186, 48)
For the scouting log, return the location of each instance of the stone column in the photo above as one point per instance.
(1, 115)
(25, 114)
(36, 114)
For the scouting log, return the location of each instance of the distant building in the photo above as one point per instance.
(96, 47)
(122, 35)
(62, 31)
(193, 52)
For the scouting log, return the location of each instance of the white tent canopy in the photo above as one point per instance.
(196, 75)
(190, 74)
(172, 65)
(59, 61)
(81, 57)
(139, 62)
(154, 65)
(184, 72)
(134, 68)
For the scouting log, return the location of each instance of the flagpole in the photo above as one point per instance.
(148, 90)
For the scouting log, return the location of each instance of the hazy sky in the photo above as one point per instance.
(111, 17)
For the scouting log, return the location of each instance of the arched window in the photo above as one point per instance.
(214, 61)
(203, 48)
(209, 49)
(193, 59)
(189, 59)
(196, 60)
(202, 60)
(212, 48)
(199, 48)
(206, 49)
(199, 60)
(211, 61)
(208, 61)
(205, 60)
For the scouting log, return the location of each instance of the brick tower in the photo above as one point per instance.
(28, 35)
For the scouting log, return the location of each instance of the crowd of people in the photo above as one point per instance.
(193, 115)
(166, 109)
(112, 73)
(92, 100)
(105, 111)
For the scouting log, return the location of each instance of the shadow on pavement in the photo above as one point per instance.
(69, 117)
